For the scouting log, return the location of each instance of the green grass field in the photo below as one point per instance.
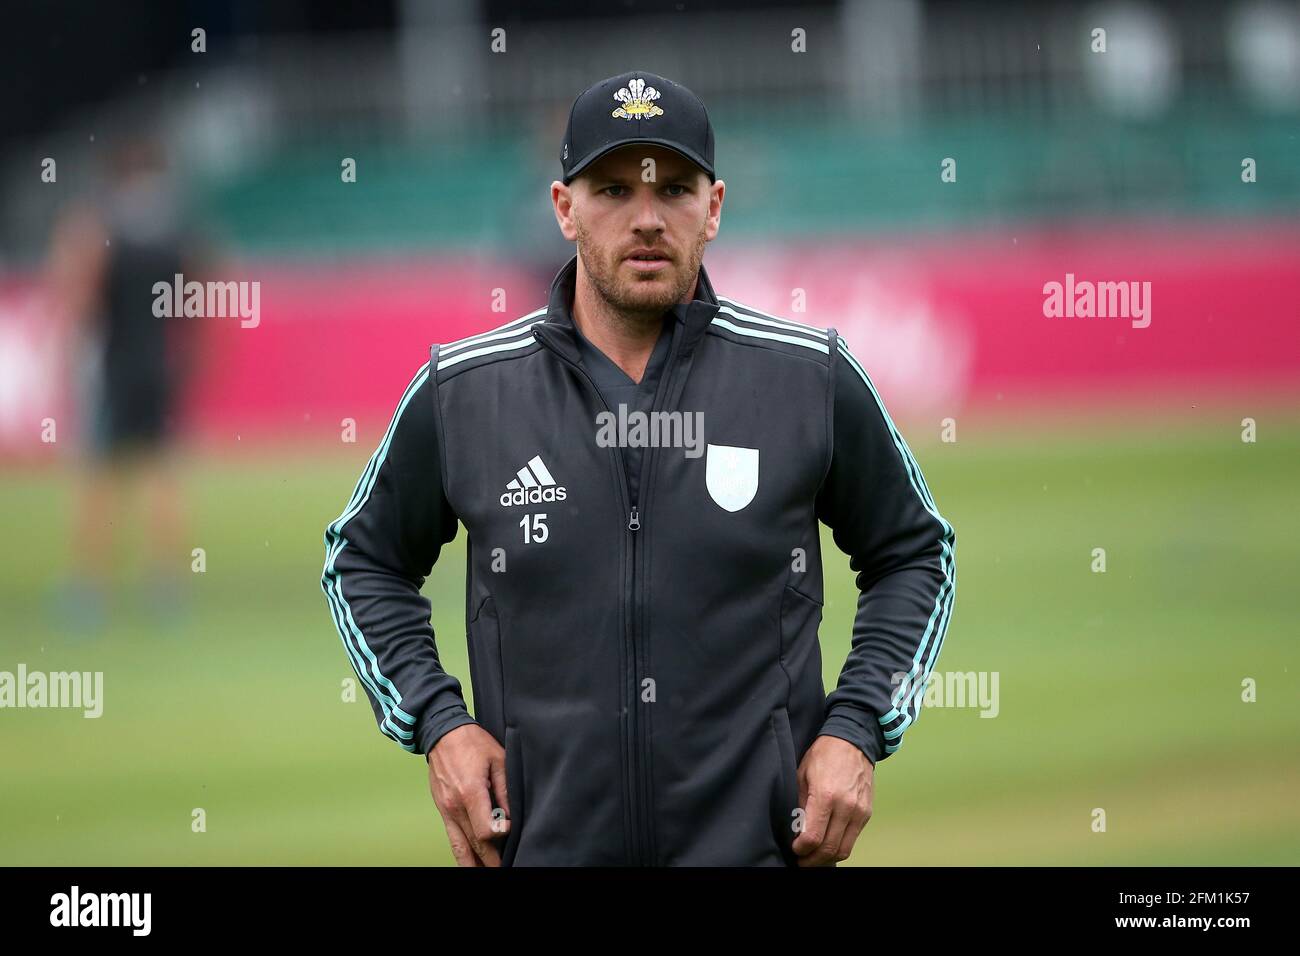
(1119, 691)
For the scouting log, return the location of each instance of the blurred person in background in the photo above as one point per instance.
(129, 367)
(540, 248)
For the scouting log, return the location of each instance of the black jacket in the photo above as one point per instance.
(652, 668)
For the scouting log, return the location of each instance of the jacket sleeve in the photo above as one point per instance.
(875, 500)
(378, 553)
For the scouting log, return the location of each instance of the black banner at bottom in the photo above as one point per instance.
(995, 905)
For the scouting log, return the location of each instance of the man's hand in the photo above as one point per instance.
(836, 781)
(467, 768)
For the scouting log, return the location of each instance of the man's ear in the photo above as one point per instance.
(717, 191)
(562, 200)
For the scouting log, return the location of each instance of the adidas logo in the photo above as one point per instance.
(532, 483)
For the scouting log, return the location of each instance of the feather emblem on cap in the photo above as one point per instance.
(638, 101)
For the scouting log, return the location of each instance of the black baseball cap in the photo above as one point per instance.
(636, 107)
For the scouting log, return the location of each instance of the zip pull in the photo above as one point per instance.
(633, 520)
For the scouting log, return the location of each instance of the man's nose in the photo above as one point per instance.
(647, 216)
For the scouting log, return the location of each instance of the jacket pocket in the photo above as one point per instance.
(515, 795)
(485, 671)
(800, 617)
(785, 790)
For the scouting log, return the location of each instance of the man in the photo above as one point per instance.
(105, 257)
(643, 599)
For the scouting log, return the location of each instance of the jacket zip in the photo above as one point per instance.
(640, 814)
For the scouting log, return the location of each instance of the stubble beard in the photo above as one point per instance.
(639, 302)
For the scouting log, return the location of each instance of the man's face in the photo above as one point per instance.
(640, 216)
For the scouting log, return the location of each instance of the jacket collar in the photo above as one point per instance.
(694, 316)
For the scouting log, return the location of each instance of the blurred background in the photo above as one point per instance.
(916, 171)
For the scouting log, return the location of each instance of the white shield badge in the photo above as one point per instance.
(731, 475)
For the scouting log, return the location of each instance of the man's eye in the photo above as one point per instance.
(678, 186)
(608, 188)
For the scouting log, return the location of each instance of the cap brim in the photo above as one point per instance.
(680, 150)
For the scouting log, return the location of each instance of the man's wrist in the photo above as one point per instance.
(436, 726)
(858, 728)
